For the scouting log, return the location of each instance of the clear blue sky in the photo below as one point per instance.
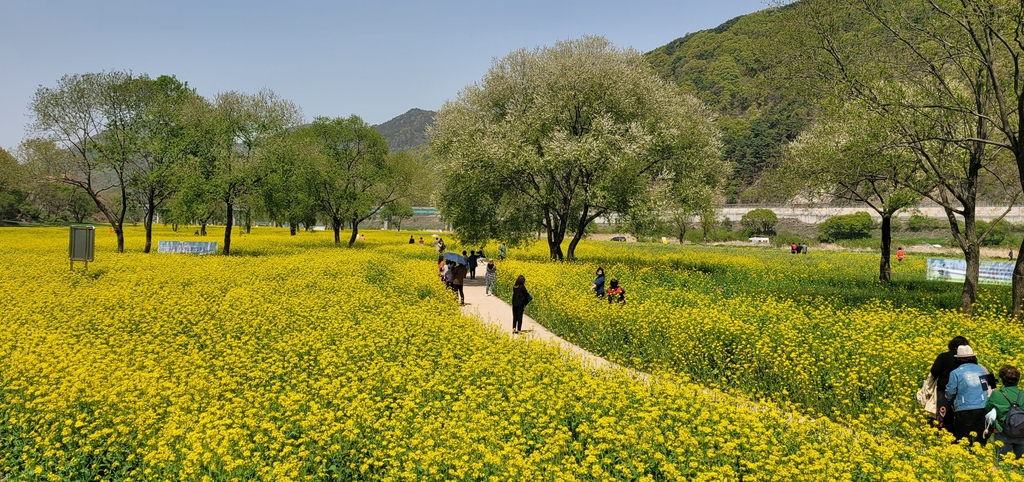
(375, 59)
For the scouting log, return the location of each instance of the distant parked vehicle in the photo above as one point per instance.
(619, 238)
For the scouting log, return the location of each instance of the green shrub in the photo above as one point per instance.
(846, 226)
(918, 222)
(1000, 232)
(759, 222)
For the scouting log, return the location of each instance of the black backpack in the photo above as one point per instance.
(1013, 422)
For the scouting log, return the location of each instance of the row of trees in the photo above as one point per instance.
(130, 141)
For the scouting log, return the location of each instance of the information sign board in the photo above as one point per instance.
(82, 244)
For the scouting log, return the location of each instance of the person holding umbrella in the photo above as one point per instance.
(458, 277)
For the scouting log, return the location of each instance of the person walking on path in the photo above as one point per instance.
(490, 278)
(968, 388)
(943, 365)
(472, 260)
(520, 298)
(458, 277)
(598, 286)
(501, 252)
(1001, 400)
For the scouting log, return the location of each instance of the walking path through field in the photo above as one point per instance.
(492, 310)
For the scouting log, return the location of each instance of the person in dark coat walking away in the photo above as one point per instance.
(1001, 400)
(520, 298)
(458, 277)
(598, 286)
(968, 388)
(472, 260)
(412, 240)
(945, 363)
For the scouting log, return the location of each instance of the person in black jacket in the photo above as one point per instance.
(943, 365)
(520, 298)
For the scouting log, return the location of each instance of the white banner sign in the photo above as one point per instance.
(990, 272)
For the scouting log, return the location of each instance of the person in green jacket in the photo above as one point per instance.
(1001, 400)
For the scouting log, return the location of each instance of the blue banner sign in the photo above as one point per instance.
(191, 247)
(990, 272)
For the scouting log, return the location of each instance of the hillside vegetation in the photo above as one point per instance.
(732, 68)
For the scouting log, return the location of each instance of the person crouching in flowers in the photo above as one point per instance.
(490, 278)
(1000, 402)
(615, 293)
(969, 386)
(520, 298)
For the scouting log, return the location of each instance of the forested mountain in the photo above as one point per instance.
(730, 67)
(407, 131)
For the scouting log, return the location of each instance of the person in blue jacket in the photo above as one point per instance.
(598, 286)
(969, 386)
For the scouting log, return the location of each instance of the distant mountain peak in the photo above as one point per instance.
(407, 131)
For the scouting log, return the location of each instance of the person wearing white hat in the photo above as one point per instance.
(969, 386)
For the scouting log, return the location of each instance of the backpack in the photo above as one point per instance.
(1013, 422)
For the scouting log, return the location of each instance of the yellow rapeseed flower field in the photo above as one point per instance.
(294, 359)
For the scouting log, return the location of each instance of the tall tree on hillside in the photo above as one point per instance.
(96, 118)
(560, 136)
(936, 74)
(232, 132)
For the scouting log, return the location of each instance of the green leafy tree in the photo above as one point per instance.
(162, 147)
(848, 157)
(231, 133)
(556, 137)
(354, 176)
(13, 195)
(760, 221)
(397, 212)
(96, 119)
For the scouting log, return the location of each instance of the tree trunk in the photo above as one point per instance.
(336, 225)
(202, 229)
(248, 220)
(148, 223)
(227, 228)
(581, 227)
(355, 232)
(884, 264)
(291, 229)
(970, 292)
(1018, 283)
(555, 244)
(119, 231)
(174, 227)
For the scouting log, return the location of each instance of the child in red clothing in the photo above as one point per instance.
(615, 293)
